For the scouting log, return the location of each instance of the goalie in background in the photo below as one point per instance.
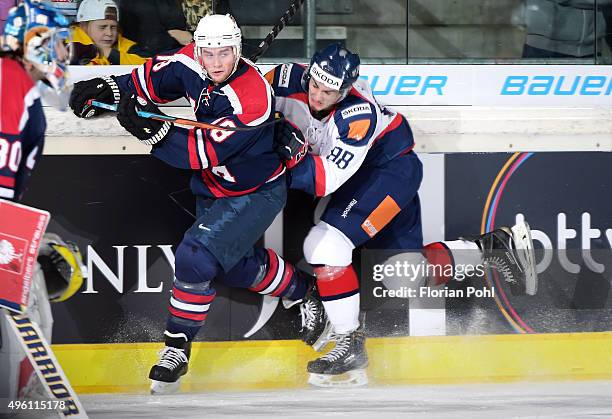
(33, 60)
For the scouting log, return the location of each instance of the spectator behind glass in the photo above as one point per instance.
(96, 40)
(156, 25)
(194, 10)
(5, 6)
(563, 28)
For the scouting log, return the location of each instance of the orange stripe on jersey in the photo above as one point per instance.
(270, 76)
(358, 129)
(381, 216)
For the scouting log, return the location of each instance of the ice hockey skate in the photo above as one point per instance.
(343, 366)
(316, 328)
(510, 252)
(172, 365)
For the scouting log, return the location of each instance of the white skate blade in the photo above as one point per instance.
(355, 378)
(521, 233)
(323, 338)
(161, 387)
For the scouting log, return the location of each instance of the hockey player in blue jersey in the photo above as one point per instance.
(238, 179)
(361, 153)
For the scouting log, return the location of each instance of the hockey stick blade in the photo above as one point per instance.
(268, 307)
(181, 121)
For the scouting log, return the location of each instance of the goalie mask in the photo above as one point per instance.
(217, 31)
(40, 34)
(335, 67)
(62, 265)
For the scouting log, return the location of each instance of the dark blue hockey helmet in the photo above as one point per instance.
(334, 66)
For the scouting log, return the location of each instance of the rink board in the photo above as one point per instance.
(281, 364)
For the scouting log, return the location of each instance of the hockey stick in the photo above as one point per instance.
(58, 388)
(182, 121)
(282, 22)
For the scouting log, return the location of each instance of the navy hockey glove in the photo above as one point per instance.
(147, 130)
(289, 143)
(102, 89)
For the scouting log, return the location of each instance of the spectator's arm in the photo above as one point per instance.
(182, 37)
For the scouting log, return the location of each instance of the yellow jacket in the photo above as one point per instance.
(86, 53)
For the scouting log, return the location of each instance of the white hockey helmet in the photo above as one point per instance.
(217, 31)
(97, 10)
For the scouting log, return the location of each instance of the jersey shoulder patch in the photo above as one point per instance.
(355, 119)
(287, 79)
(354, 110)
(250, 96)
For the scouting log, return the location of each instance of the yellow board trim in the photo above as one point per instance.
(281, 364)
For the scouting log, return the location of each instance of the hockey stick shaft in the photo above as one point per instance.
(282, 22)
(181, 121)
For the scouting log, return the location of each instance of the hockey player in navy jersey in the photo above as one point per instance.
(33, 62)
(238, 179)
(361, 153)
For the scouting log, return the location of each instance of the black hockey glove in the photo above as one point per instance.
(102, 89)
(147, 130)
(289, 143)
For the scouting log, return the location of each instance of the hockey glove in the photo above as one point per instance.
(289, 143)
(102, 89)
(147, 130)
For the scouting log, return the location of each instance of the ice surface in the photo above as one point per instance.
(515, 400)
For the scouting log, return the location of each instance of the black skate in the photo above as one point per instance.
(316, 328)
(510, 252)
(343, 366)
(172, 365)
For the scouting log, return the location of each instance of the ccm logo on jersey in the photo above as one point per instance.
(356, 110)
(285, 71)
(327, 79)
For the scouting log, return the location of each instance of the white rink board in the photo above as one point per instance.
(466, 85)
(487, 108)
